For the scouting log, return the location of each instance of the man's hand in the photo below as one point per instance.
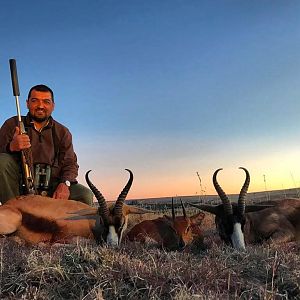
(19, 141)
(62, 192)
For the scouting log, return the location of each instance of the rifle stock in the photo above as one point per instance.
(26, 154)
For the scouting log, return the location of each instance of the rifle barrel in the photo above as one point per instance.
(14, 76)
(26, 154)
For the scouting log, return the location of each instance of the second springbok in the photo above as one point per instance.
(37, 219)
(170, 233)
(240, 224)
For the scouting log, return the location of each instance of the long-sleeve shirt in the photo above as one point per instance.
(52, 145)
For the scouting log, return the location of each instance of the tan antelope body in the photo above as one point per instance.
(240, 224)
(279, 224)
(171, 233)
(37, 219)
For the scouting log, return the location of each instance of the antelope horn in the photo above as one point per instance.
(120, 201)
(243, 193)
(103, 209)
(183, 209)
(226, 202)
(173, 210)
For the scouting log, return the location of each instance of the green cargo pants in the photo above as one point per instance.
(10, 178)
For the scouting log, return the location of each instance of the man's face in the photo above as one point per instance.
(40, 105)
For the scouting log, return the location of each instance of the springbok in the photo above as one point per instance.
(170, 233)
(238, 224)
(37, 219)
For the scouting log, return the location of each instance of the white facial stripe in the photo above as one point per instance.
(237, 237)
(112, 237)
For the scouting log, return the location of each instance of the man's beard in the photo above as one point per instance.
(37, 119)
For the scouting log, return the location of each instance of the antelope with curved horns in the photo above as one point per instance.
(170, 233)
(36, 219)
(239, 223)
(113, 219)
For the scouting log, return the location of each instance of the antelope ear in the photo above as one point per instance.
(129, 209)
(253, 208)
(213, 209)
(198, 218)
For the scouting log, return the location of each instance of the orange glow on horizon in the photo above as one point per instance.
(268, 171)
(142, 188)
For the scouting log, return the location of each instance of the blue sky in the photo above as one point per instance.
(164, 88)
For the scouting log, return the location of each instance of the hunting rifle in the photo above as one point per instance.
(26, 154)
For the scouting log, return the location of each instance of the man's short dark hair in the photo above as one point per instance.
(41, 88)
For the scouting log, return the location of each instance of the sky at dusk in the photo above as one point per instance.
(165, 88)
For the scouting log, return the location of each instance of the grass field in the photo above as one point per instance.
(87, 271)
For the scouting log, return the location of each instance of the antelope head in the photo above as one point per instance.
(230, 219)
(112, 220)
(231, 223)
(185, 226)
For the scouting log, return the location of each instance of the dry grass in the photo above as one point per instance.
(87, 271)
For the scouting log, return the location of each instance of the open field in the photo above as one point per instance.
(209, 271)
(254, 197)
(135, 272)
